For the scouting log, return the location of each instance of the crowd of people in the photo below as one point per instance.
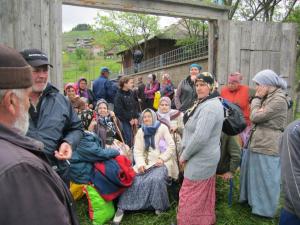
(49, 141)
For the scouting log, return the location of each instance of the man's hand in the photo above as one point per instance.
(64, 152)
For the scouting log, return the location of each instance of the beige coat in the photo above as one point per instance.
(149, 158)
(269, 122)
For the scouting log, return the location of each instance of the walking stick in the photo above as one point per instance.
(180, 177)
(230, 192)
(118, 129)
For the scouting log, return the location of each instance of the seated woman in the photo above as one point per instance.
(107, 127)
(172, 118)
(153, 164)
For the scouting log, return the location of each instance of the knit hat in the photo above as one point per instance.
(14, 71)
(235, 78)
(196, 65)
(35, 57)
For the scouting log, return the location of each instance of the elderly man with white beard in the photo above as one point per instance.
(31, 192)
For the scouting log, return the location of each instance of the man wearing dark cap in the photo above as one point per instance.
(52, 119)
(31, 192)
(105, 88)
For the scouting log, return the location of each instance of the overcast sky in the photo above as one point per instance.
(73, 15)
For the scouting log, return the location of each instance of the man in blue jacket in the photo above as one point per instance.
(105, 88)
(52, 118)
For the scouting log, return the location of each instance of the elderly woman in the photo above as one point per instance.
(239, 94)
(151, 87)
(167, 87)
(172, 118)
(200, 155)
(260, 169)
(153, 151)
(186, 93)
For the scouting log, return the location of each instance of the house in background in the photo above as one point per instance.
(156, 45)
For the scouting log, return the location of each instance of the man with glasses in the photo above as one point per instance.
(52, 119)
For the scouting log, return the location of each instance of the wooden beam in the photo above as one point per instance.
(176, 8)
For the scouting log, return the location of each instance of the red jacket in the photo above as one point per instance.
(240, 97)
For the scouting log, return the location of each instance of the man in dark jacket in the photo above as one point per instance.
(52, 118)
(105, 88)
(290, 176)
(31, 192)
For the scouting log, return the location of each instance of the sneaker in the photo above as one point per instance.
(118, 217)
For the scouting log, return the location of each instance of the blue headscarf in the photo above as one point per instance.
(150, 131)
(196, 65)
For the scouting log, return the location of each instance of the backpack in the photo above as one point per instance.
(234, 122)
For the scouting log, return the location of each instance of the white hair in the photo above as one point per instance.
(18, 92)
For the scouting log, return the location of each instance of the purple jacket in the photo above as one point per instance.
(150, 91)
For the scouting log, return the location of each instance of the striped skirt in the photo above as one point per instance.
(197, 202)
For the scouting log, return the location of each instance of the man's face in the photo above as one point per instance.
(40, 78)
(22, 115)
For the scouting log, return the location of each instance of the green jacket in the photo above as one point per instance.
(230, 154)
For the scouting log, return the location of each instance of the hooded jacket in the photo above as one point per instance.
(31, 192)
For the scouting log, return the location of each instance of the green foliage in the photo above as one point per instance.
(81, 27)
(127, 29)
(238, 214)
(80, 53)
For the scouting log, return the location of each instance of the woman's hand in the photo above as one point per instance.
(159, 162)
(226, 176)
(112, 114)
(141, 169)
(261, 91)
(182, 164)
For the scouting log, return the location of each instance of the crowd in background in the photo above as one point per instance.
(151, 133)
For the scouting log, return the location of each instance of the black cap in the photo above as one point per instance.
(35, 57)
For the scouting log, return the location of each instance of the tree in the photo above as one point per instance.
(81, 27)
(193, 29)
(129, 28)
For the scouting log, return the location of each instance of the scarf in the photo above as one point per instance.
(108, 123)
(149, 133)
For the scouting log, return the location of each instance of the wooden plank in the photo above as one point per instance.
(266, 59)
(255, 64)
(257, 36)
(178, 8)
(245, 66)
(275, 37)
(246, 35)
(55, 53)
(288, 52)
(212, 46)
(7, 20)
(222, 54)
(275, 62)
(45, 19)
(234, 47)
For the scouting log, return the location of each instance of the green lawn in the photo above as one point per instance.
(238, 214)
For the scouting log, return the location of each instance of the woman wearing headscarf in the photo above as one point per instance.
(153, 151)
(186, 92)
(84, 92)
(77, 103)
(105, 124)
(200, 155)
(240, 95)
(172, 118)
(260, 169)
(151, 87)
(166, 87)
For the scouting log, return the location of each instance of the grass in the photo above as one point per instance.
(74, 68)
(238, 214)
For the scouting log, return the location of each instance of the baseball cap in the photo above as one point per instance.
(35, 57)
(104, 69)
